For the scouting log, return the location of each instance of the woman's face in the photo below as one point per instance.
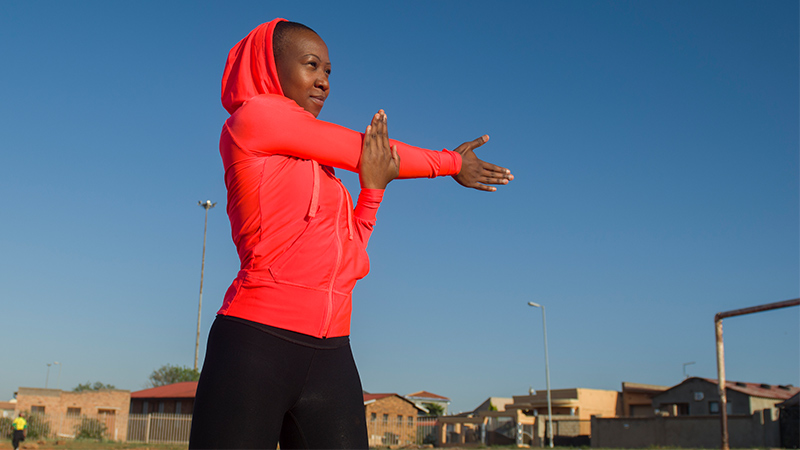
(303, 70)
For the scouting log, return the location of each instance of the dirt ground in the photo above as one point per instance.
(69, 444)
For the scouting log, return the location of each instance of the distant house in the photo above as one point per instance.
(7, 409)
(176, 398)
(66, 408)
(391, 420)
(422, 397)
(496, 420)
(790, 422)
(637, 399)
(575, 403)
(700, 396)
(493, 404)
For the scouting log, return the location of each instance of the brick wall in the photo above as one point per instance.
(384, 428)
(108, 405)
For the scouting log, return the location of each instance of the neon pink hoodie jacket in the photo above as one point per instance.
(302, 246)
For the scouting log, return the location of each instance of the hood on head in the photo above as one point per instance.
(250, 69)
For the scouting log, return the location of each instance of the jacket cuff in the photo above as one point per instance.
(368, 202)
(450, 163)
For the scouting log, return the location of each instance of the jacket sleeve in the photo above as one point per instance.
(365, 213)
(275, 125)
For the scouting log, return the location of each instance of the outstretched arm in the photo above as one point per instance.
(272, 124)
(476, 173)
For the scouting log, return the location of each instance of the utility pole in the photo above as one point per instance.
(206, 205)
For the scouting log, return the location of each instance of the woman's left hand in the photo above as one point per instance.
(380, 162)
(476, 173)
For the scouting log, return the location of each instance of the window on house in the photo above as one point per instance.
(37, 409)
(73, 411)
(386, 418)
(161, 407)
(399, 419)
(410, 421)
(713, 407)
(145, 407)
(178, 407)
(373, 417)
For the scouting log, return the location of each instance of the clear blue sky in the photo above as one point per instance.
(654, 144)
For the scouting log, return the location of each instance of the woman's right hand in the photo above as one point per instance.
(379, 162)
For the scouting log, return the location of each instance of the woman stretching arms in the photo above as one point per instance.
(278, 364)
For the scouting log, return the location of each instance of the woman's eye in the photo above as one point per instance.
(312, 64)
(328, 71)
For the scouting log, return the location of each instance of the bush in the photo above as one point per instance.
(90, 429)
(5, 427)
(38, 426)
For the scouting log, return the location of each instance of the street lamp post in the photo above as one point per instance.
(206, 205)
(47, 380)
(547, 372)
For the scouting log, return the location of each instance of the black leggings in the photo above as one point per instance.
(262, 385)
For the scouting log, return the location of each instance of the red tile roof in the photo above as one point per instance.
(759, 390)
(428, 395)
(371, 397)
(184, 389)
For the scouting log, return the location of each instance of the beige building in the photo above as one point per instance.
(493, 404)
(64, 410)
(637, 399)
(576, 403)
(523, 420)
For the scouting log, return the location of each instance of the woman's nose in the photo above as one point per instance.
(322, 83)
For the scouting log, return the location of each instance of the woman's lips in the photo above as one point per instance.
(318, 100)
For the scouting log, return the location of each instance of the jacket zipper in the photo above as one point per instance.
(329, 311)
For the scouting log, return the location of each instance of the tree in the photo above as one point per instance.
(92, 387)
(434, 409)
(169, 374)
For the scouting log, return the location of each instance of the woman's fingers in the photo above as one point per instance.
(385, 135)
(380, 163)
(495, 176)
(467, 147)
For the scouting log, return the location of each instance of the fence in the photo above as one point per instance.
(159, 428)
(72, 426)
(421, 430)
(175, 428)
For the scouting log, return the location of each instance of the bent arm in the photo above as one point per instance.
(275, 125)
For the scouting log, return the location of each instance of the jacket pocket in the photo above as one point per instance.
(284, 267)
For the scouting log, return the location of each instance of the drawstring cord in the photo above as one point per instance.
(349, 212)
(312, 210)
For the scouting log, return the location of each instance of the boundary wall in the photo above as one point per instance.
(756, 431)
